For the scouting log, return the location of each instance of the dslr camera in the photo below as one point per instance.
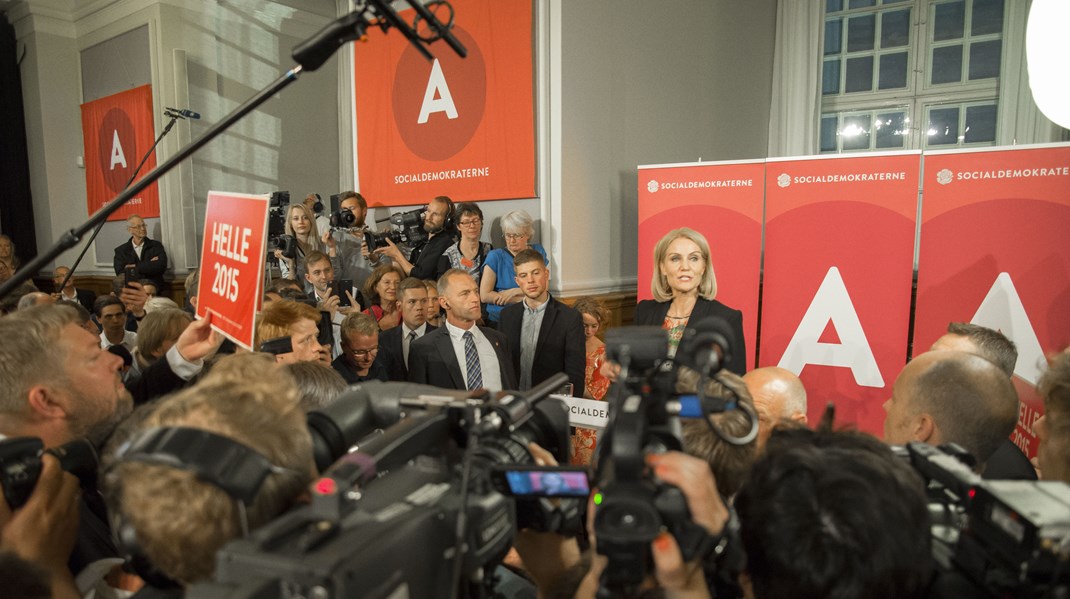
(20, 465)
(277, 237)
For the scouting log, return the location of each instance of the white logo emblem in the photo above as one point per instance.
(944, 176)
(783, 180)
(652, 186)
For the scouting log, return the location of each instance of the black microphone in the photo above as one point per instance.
(185, 113)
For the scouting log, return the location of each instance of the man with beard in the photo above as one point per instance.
(58, 384)
(438, 223)
(353, 256)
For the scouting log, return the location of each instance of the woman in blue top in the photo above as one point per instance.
(498, 286)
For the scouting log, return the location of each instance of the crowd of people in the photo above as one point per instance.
(820, 512)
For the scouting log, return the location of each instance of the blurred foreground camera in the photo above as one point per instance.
(405, 503)
(20, 465)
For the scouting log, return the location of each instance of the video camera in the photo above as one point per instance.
(645, 411)
(403, 508)
(277, 237)
(20, 465)
(993, 538)
(407, 230)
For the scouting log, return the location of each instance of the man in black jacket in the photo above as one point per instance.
(461, 354)
(395, 343)
(142, 253)
(439, 225)
(545, 335)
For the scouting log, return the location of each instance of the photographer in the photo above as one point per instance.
(355, 260)
(178, 518)
(438, 223)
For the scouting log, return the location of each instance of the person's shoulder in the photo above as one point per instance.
(512, 311)
(389, 334)
(565, 309)
(492, 334)
(712, 306)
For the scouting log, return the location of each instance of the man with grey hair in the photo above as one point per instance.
(146, 256)
(35, 298)
(1007, 462)
(778, 395)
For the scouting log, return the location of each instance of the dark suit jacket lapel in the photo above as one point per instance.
(547, 324)
(444, 346)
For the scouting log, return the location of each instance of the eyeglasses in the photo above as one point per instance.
(363, 353)
(470, 223)
(515, 235)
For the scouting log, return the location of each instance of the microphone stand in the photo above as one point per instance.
(309, 54)
(85, 248)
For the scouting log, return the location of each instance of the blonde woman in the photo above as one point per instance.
(301, 225)
(684, 286)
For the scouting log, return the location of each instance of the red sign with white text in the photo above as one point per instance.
(994, 252)
(721, 200)
(839, 256)
(461, 127)
(116, 132)
(232, 264)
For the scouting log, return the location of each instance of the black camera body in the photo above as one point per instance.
(405, 504)
(277, 237)
(20, 465)
(343, 219)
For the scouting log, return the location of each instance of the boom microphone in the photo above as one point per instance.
(185, 113)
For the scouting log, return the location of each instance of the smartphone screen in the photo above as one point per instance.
(534, 481)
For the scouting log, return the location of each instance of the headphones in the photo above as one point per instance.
(217, 460)
(451, 210)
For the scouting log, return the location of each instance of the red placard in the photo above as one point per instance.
(232, 264)
(462, 127)
(839, 255)
(993, 251)
(117, 131)
(721, 200)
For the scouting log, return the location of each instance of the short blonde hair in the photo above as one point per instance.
(659, 286)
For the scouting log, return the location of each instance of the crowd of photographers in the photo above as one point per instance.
(200, 444)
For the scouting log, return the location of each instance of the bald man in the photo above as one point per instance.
(952, 397)
(778, 395)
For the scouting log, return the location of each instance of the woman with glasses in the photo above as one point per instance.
(469, 253)
(497, 287)
(381, 289)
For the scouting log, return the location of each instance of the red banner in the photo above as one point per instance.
(232, 264)
(839, 258)
(993, 251)
(462, 127)
(117, 131)
(721, 200)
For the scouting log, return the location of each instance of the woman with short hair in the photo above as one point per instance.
(497, 287)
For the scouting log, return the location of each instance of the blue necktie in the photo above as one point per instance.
(471, 359)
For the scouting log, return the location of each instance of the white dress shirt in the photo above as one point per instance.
(405, 330)
(488, 358)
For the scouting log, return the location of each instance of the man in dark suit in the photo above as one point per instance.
(140, 252)
(545, 335)
(69, 293)
(395, 344)
(461, 355)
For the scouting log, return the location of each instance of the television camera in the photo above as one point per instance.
(277, 237)
(993, 538)
(405, 505)
(406, 230)
(645, 412)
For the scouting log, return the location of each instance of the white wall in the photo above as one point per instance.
(643, 83)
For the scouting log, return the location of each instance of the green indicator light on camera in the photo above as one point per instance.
(598, 499)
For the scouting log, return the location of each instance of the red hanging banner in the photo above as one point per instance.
(839, 255)
(117, 131)
(993, 251)
(721, 200)
(462, 127)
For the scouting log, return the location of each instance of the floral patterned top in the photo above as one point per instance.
(676, 328)
(585, 439)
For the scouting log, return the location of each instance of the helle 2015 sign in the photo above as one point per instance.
(461, 127)
(232, 264)
(117, 131)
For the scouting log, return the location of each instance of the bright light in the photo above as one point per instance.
(1046, 49)
(852, 130)
(931, 132)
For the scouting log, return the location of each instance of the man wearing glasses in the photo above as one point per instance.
(360, 348)
(140, 252)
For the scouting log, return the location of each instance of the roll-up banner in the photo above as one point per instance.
(993, 251)
(839, 255)
(721, 200)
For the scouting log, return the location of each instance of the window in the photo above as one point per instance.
(899, 74)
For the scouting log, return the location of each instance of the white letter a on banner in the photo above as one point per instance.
(831, 302)
(436, 86)
(117, 156)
